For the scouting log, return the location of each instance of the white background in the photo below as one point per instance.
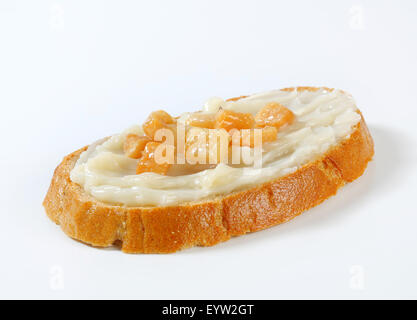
(75, 71)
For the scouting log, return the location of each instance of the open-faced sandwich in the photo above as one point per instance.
(233, 167)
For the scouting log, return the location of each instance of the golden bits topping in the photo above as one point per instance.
(208, 137)
(229, 120)
(148, 162)
(202, 120)
(163, 116)
(134, 145)
(275, 115)
(207, 145)
(156, 121)
(269, 134)
(248, 137)
(196, 145)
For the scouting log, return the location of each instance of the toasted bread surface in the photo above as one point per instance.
(205, 223)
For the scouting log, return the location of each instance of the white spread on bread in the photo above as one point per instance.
(323, 119)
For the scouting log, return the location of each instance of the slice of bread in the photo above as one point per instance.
(205, 223)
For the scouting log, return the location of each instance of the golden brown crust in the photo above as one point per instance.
(169, 229)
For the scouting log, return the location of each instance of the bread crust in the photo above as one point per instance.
(205, 223)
